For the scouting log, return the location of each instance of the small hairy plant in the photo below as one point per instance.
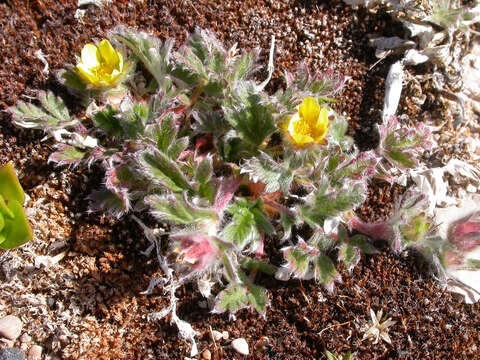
(378, 329)
(226, 167)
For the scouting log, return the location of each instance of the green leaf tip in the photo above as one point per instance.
(14, 227)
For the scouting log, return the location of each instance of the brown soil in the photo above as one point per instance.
(90, 306)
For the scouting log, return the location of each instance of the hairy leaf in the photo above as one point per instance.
(258, 265)
(252, 119)
(176, 210)
(204, 171)
(326, 204)
(108, 121)
(66, 155)
(154, 55)
(236, 297)
(324, 271)
(275, 177)
(51, 115)
(247, 219)
(163, 170)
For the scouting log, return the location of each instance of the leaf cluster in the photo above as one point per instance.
(205, 151)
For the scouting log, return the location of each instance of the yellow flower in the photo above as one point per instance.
(309, 124)
(101, 66)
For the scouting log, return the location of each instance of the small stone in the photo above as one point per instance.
(25, 338)
(217, 335)
(206, 354)
(10, 327)
(35, 352)
(240, 345)
(8, 343)
(225, 335)
(12, 354)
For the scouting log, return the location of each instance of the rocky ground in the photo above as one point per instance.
(78, 286)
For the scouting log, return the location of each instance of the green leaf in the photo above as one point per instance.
(247, 218)
(401, 159)
(287, 220)
(236, 297)
(298, 259)
(361, 242)
(164, 171)
(349, 255)
(250, 117)
(331, 356)
(207, 191)
(67, 155)
(108, 121)
(53, 114)
(175, 209)
(4, 210)
(154, 55)
(177, 147)
(257, 296)
(215, 88)
(275, 177)
(331, 204)
(16, 231)
(242, 230)
(232, 299)
(189, 59)
(107, 200)
(198, 43)
(258, 265)
(338, 130)
(245, 65)
(324, 270)
(416, 229)
(166, 134)
(210, 122)
(358, 167)
(204, 171)
(10, 188)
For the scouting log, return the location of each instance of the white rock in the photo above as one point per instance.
(217, 335)
(35, 352)
(225, 335)
(25, 338)
(240, 345)
(10, 327)
(206, 354)
(471, 188)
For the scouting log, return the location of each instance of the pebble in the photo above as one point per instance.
(12, 354)
(206, 355)
(25, 338)
(10, 327)
(240, 345)
(35, 352)
(225, 335)
(217, 335)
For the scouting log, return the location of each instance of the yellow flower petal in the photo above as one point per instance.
(90, 56)
(321, 127)
(309, 124)
(109, 56)
(85, 73)
(309, 110)
(302, 140)
(101, 66)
